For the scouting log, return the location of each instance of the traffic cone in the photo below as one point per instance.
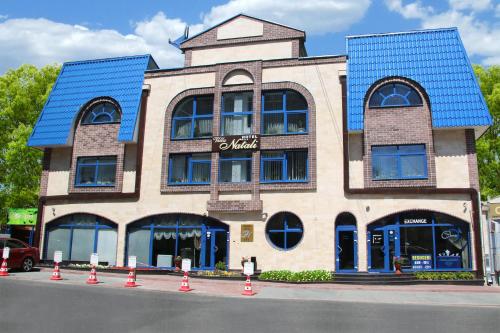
(131, 279)
(93, 276)
(185, 283)
(4, 271)
(248, 288)
(56, 274)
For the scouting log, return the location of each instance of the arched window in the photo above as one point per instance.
(283, 112)
(102, 113)
(395, 94)
(192, 118)
(284, 230)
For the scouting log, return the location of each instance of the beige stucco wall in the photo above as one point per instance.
(451, 158)
(60, 160)
(240, 28)
(356, 161)
(317, 209)
(129, 168)
(260, 51)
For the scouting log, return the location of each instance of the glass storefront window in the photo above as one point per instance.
(415, 241)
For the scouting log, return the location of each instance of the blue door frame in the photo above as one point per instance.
(391, 241)
(338, 250)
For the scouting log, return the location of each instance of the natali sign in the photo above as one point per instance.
(235, 142)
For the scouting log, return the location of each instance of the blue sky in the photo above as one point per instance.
(43, 32)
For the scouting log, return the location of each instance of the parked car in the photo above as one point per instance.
(22, 256)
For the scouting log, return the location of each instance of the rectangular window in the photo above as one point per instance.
(189, 169)
(284, 166)
(237, 113)
(399, 162)
(96, 171)
(235, 167)
(284, 112)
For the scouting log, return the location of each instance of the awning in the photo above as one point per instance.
(22, 216)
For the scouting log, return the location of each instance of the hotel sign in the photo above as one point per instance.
(247, 233)
(235, 142)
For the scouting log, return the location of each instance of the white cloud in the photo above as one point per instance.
(313, 16)
(3, 17)
(413, 10)
(41, 41)
(480, 37)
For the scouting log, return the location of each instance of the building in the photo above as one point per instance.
(254, 149)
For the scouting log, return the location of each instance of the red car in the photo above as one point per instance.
(22, 256)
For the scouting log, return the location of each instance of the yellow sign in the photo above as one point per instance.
(247, 233)
(494, 210)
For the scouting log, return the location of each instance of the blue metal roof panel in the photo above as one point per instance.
(81, 81)
(436, 59)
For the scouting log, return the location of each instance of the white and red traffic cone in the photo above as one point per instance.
(93, 276)
(248, 288)
(131, 279)
(56, 274)
(4, 270)
(185, 283)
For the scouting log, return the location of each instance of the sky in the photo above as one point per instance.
(47, 32)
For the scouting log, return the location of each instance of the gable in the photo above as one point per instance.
(241, 29)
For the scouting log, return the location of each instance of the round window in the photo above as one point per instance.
(284, 230)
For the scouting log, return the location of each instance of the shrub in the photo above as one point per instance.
(303, 276)
(220, 266)
(444, 275)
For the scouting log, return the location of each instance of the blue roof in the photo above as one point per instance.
(436, 59)
(81, 81)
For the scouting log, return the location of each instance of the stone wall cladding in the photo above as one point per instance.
(300, 141)
(470, 144)
(97, 140)
(398, 126)
(271, 32)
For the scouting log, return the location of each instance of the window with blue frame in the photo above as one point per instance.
(399, 162)
(284, 166)
(189, 169)
(284, 112)
(101, 113)
(235, 167)
(96, 171)
(284, 230)
(192, 118)
(237, 113)
(395, 94)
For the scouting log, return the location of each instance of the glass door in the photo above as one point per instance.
(346, 255)
(383, 247)
(216, 247)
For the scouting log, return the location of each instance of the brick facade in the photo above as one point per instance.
(306, 141)
(470, 145)
(94, 141)
(398, 126)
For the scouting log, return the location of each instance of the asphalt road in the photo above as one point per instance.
(25, 307)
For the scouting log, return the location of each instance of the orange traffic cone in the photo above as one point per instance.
(4, 271)
(248, 288)
(185, 283)
(93, 276)
(56, 274)
(131, 279)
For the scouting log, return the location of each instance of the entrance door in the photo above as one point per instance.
(383, 247)
(216, 248)
(347, 249)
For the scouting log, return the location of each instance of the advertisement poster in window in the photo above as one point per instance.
(247, 233)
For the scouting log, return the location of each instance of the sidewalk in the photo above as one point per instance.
(449, 295)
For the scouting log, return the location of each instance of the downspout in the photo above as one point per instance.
(473, 193)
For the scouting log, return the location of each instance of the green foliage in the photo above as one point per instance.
(220, 266)
(444, 275)
(303, 276)
(23, 93)
(488, 146)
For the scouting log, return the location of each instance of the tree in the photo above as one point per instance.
(23, 93)
(488, 146)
